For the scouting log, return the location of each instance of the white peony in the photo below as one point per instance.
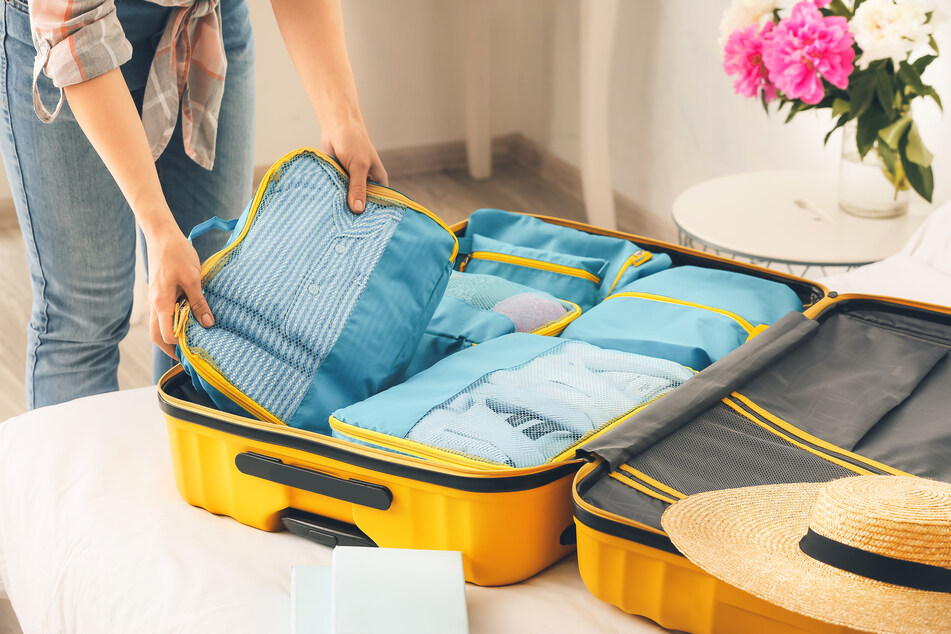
(743, 13)
(890, 29)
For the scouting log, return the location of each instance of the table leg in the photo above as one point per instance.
(478, 131)
(598, 19)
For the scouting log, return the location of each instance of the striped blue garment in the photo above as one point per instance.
(283, 296)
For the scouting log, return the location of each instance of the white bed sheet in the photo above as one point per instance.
(920, 271)
(95, 538)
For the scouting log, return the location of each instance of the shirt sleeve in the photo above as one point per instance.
(75, 40)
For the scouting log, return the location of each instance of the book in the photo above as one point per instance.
(310, 599)
(397, 591)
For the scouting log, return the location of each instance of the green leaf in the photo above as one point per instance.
(762, 98)
(839, 107)
(867, 129)
(908, 74)
(841, 122)
(915, 149)
(920, 178)
(933, 44)
(889, 157)
(797, 107)
(885, 94)
(837, 7)
(893, 134)
(863, 90)
(931, 92)
(922, 63)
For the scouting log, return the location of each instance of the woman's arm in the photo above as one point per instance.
(313, 34)
(105, 111)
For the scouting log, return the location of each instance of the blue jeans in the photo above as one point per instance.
(80, 233)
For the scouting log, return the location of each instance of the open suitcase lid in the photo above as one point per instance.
(863, 387)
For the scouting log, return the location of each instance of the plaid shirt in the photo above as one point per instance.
(77, 40)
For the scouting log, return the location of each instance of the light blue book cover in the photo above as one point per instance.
(310, 599)
(398, 591)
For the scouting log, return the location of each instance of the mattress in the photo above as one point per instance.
(95, 538)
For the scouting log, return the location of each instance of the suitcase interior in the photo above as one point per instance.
(509, 524)
(624, 556)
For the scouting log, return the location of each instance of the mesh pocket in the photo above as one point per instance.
(719, 449)
(282, 295)
(535, 412)
(529, 310)
(723, 450)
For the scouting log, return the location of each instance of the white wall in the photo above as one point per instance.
(409, 61)
(408, 57)
(674, 118)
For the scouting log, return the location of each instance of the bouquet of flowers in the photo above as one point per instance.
(853, 57)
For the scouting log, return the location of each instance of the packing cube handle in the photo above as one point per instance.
(212, 223)
(367, 494)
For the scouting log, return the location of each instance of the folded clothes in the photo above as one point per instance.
(478, 307)
(688, 314)
(520, 400)
(624, 260)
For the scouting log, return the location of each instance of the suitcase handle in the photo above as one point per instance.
(273, 470)
(324, 530)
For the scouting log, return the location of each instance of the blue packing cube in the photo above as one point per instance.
(570, 277)
(687, 314)
(624, 260)
(517, 401)
(315, 307)
(477, 308)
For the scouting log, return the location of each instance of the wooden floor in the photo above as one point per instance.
(452, 195)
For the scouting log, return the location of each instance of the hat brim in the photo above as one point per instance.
(750, 538)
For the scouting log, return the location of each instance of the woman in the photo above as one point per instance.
(156, 131)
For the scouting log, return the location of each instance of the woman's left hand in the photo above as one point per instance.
(351, 145)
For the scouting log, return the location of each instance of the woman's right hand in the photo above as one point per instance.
(174, 270)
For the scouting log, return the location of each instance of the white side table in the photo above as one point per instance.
(786, 219)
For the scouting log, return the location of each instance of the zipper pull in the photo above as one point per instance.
(640, 257)
(180, 318)
(465, 263)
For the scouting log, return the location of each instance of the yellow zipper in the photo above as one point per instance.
(792, 441)
(413, 448)
(646, 479)
(376, 191)
(634, 484)
(555, 327)
(795, 431)
(747, 326)
(535, 264)
(211, 374)
(637, 258)
(205, 369)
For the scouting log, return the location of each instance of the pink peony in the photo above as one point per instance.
(806, 48)
(743, 56)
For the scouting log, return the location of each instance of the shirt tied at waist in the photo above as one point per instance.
(77, 40)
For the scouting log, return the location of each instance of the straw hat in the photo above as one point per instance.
(794, 544)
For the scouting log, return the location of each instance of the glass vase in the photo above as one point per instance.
(865, 187)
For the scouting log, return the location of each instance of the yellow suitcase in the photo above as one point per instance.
(509, 524)
(864, 383)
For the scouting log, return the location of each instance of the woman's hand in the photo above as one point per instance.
(313, 34)
(351, 145)
(174, 270)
